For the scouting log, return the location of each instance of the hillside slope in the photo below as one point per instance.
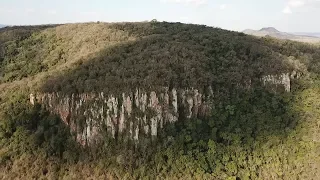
(107, 92)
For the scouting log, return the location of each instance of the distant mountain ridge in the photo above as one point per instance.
(270, 29)
(315, 34)
(3, 25)
(273, 32)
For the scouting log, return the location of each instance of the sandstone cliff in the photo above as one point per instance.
(134, 114)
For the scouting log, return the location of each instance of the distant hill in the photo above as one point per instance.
(2, 25)
(270, 31)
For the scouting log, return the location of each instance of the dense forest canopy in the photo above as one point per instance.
(146, 54)
(253, 133)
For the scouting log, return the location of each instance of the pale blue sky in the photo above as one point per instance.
(286, 15)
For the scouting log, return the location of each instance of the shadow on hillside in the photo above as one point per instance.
(182, 56)
(21, 32)
(172, 55)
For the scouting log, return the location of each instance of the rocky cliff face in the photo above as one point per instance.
(282, 80)
(134, 114)
(126, 116)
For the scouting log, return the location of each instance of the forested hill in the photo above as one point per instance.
(124, 55)
(252, 131)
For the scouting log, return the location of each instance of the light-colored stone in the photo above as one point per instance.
(282, 80)
(32, 99)
(114, 113)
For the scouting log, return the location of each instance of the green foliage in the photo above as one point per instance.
(253, 133)
(180, 55)
(17, 54)
(121, 56)
(29, 129)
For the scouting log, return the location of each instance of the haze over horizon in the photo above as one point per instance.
(284, 15)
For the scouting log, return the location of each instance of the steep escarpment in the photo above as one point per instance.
(128, 115)
(156, 100)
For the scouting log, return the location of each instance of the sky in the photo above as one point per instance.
(285, 15)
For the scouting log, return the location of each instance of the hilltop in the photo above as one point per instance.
(150, 100)
(167, 54)
(270, 31)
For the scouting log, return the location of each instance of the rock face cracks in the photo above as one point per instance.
(131, 115)
(128, 115)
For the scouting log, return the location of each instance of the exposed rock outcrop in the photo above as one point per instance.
(126, 116)
(282, 80)
(132, 114)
